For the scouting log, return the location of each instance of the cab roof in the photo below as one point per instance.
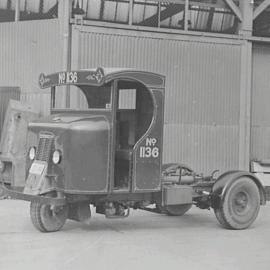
(101, 76)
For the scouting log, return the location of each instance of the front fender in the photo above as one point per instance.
(224, 182)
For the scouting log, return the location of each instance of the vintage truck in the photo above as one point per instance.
(104, 148)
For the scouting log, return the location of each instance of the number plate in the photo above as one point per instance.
(37, 168)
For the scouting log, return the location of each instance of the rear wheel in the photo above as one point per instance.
(240, 206)
(177, 210)
(47, 218)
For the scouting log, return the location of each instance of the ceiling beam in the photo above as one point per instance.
(264, 5)
(235, 9)
(199, 3)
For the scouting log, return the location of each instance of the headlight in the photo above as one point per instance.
(56, 158)
(2, 166)
(32, 153)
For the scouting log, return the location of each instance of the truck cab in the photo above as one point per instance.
(102, 145)
(109, 136)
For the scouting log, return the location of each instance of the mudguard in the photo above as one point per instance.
(224, 182)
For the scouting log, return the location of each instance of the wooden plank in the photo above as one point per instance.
(264, 5)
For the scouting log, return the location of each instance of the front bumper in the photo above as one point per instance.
(17, 193)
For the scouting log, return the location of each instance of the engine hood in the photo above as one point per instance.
(59, 122)
(84, 141)
(63, 119)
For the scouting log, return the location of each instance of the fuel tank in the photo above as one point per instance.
(84, 142)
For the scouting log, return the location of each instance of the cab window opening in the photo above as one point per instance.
(135, 110)
(82, 97)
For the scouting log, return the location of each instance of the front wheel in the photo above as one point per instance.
(47, 218)
(240, 205)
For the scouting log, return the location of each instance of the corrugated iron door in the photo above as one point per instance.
(7, 93)
(260, 122)
(202, 88)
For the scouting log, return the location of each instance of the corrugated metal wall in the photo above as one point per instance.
(260, 124)
(202, 89)
(26, 50)
(39, 100)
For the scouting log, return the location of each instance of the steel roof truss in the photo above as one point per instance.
(263, 6)
(235, 9)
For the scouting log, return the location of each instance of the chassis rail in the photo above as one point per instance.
(19, 195)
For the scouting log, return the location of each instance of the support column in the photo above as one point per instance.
(186, 18)
(130, 12)
(245, 106)
(17, 10)
(64, 14)
(246, 26)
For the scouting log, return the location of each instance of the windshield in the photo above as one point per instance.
(82, 97)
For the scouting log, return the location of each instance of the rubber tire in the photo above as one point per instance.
(227, 215)
(45, 220)
(177, 210)
(220, 219)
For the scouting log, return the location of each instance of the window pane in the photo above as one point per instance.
(127, 99)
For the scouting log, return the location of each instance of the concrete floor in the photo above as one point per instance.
(142, 241)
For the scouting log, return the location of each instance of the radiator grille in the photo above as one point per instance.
(44, 148)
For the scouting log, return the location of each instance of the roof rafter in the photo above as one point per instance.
(264, 5)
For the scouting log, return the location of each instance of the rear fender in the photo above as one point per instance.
(225, 181)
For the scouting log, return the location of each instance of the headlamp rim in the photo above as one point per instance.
(29, 152)
(59, 157)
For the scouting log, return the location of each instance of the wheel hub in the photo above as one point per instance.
(240, 202)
